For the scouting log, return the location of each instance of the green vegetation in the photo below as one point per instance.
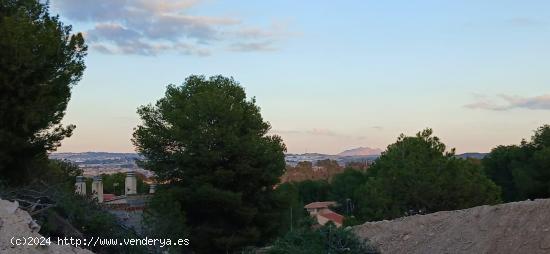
(312, 191)
(87, 218)
(522, 171)
(344, 188)
(327, 239)
(416, 175)
(114, 184)
(39, 63)
(206, 138)
(209, 146)
(61, 213)
(165, 217)
(294, 207)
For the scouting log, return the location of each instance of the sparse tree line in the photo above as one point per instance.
(221, 170)
(416, 175)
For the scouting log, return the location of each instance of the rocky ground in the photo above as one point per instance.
(16, 223)
(519, 227)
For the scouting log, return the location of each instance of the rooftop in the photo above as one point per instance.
(332, 216)
(316, 205)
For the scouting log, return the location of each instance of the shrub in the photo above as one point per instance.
(327, 239)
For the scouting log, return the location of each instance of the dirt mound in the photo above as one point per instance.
(519, 227)
(16, 223)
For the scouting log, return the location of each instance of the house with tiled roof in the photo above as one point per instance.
(322, 213)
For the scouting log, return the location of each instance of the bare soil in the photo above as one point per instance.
(18, 224)
(519, 227)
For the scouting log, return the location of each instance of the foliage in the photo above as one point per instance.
(522, 171)
(294, 211)
(39, 63)
(207, 138)
(350, 221)
(114, 183)
(164, 217)
(416, 175)
(343, 189)
(313, 191)
(86, 216)
(60, 173)
(61, 213)
(327, 239)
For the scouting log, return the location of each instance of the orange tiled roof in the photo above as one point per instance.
(107, 197)
(335, 217)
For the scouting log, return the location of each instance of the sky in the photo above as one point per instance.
(328, 75)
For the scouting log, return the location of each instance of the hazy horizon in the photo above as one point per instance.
(328, 76)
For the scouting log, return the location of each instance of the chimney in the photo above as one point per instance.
(152, 188)
(80, 185)
(97, 189)
(130, 183)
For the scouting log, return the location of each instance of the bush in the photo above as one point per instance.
(327, 239)
(87, 217)
(73, 213)
(62, 213)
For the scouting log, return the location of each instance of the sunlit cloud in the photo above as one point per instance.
(153, 27)
(507, 102)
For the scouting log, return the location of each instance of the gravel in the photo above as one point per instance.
(519, 227)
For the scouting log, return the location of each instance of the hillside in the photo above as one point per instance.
(519, 227)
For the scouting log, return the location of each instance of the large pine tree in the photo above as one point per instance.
(207, 140)
(40, 60)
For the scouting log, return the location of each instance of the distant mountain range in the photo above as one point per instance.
(361, 151)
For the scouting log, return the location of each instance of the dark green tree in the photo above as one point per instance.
(327, 239)
(522, 171)
(343, 189)
(294, 211)
(164, 217)
(208, 139)
(416, 175)
(40, 60)
(313, 191)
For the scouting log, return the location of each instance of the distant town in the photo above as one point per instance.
(96, 163)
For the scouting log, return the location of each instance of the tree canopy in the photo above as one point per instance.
(522, 171)
(40, 60)
(416, 175)
(326, 239)
(207, 138)
(344, 190)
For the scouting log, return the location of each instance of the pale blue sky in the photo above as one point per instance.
(328, 75)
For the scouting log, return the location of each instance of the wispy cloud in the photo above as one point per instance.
(152, 27)
(252, 46)
(507, 102)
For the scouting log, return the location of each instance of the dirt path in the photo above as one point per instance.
(519, 227)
